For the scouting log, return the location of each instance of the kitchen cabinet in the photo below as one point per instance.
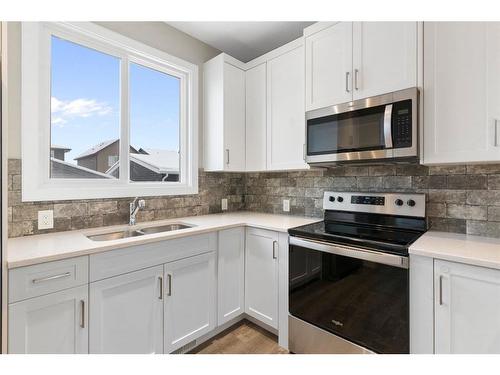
(231, 274)
(285, 110)
(224, 114)
(354, 60)
(461, 92)
(55, 323)
(126, 313)
(261, 275)
(467, 308)
(256, 117)
(190, 306)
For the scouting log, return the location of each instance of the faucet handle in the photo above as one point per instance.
(141, 203)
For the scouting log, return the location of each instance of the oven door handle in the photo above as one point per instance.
(388, 126)
(352, 252)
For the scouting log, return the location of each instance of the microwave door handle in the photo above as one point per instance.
(388, 126)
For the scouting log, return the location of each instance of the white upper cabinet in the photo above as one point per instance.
(285, 111)
(347, 61)
(328, 66)
(55, 323)
(461, 92)
(190, 300)
(231, 274)
(126, 313)
(467, 309)
(384, 57)
(224, 114)
(256, 118)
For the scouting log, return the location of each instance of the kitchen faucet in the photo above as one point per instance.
(134, 209)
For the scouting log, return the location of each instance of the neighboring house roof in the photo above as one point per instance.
(95, 149)
(158, 161)
(57, 147)
(63, 169)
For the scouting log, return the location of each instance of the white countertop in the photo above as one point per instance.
(463, 248)
(24, 251)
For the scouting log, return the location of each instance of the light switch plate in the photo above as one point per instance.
(224, 204)
(45, 219)
(286, 205)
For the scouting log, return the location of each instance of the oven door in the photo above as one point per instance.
(361, 296)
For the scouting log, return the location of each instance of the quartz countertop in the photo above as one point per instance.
(462, 248)
(24, 251)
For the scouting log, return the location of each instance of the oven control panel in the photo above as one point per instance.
(383, 203)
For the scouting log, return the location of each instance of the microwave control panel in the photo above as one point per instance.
(401, 124)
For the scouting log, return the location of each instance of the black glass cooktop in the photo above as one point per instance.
(386, 239)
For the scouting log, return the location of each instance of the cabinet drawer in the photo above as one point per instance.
(40, 279)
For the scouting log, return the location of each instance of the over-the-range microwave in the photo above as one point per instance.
(376, 129)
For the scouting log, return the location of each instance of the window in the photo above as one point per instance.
(104, 116)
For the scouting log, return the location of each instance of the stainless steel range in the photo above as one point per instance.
(348, 283)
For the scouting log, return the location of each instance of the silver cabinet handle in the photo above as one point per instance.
(160, 281)
(496, 133)
(227, 156)
(304, 151)
(275, 243)
(440, 290)
(82, 313)
(347, 81)
(356, 71)
(48, 278)
(169, 278)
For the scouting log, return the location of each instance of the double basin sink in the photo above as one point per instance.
(138, 232)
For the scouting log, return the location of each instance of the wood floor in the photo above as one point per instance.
(243, 338)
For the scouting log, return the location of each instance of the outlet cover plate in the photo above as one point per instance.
(286, 205)
(45, 219)
(224, 204)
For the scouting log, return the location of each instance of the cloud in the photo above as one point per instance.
(64, 110)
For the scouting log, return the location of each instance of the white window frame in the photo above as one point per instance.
(35, 114)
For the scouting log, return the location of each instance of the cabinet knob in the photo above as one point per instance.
(399, 202)
(410, 203)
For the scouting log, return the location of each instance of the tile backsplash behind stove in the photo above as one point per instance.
(460, 198)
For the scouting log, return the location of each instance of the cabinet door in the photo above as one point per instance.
(52, 324)
(189, 300)
(261, 276)
(234, 118)
(384, 57)
(126, 313)
(467, 308)
(285, 111)
(461, 92)
(329, 66)
(231, 274)
(255, 87)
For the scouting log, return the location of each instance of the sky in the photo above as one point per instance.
(85, 105)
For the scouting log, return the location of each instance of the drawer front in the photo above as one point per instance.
(45, 278)
(120, 261)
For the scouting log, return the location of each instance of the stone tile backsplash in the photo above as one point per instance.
(80, 214)
(460, 198)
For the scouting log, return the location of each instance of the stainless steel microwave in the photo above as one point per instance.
(380, 128)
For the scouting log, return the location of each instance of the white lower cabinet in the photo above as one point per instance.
(190, 307)
(467, 308)
(55, 323)
(230, 274)
(126, 313)
(261, 275)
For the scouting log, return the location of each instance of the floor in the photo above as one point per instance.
(242, 338)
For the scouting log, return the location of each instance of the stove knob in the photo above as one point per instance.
(410, 202)
(331, 198)
(340, 199)
(399, 202)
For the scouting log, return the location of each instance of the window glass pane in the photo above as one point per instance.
(154, 125)
(85, 121)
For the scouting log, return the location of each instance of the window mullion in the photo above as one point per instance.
(124, 121)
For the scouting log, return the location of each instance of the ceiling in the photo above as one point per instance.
(243, 40)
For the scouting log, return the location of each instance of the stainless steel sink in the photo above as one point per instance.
(137, 232)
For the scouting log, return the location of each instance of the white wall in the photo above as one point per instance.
(156, 34)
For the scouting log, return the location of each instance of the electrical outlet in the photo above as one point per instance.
(224, 204)
(45, 219)
(286, 205)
